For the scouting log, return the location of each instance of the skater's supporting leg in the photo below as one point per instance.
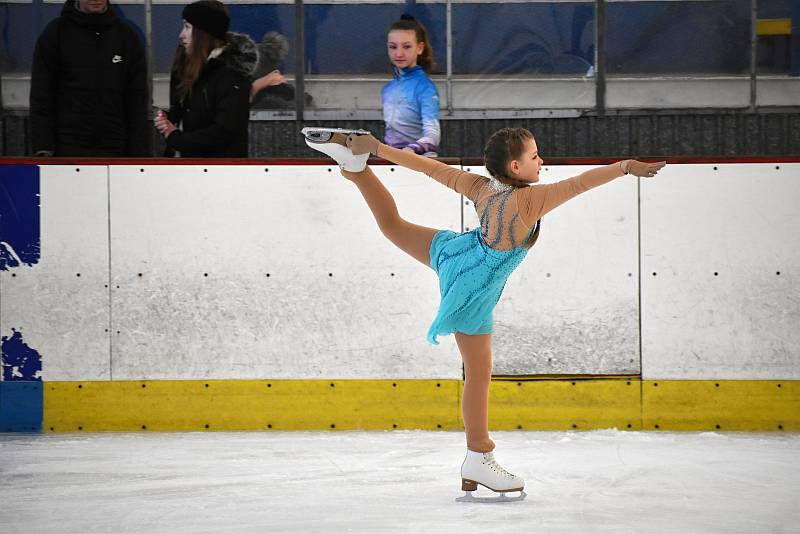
(476, 351)
(411, 238)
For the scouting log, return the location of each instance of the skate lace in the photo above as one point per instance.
(492, 463)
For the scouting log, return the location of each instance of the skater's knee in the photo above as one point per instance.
(478, 374)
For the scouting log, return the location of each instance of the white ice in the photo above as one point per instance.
(577, 482)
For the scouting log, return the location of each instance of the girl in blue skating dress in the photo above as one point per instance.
(472, 266)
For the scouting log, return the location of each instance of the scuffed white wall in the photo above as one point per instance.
(340, 301)
(60, 304)
(714, 238)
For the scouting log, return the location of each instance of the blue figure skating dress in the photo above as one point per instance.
(473, 266)
(472, 276)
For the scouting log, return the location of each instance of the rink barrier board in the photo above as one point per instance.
(672, 407)
(625, 404)
(88, 305)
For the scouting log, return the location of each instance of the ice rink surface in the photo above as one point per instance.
(399, 481)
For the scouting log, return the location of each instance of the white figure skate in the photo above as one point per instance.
(333, 142)
(481, 468)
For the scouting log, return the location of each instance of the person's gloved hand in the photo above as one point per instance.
(640, 168)
(361, 144)
(415, 148)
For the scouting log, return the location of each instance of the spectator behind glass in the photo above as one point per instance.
(209, 89)
(270, 90)
(89, 85)
(410, 100)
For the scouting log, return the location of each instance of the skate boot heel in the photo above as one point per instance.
(468, 485)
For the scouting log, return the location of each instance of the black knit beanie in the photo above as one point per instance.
(206, 16)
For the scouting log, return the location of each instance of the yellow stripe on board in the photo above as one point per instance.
(194, 405)
(565, 404)
(774, 27)
(251, 405)
(753, 405)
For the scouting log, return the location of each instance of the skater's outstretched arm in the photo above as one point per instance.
(460, 181)
(538, 199)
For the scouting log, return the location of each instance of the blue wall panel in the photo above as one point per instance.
(21, 406)
(19, 216)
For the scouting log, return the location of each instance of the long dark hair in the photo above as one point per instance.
(505, 145)
(407, 22)
(188, 66)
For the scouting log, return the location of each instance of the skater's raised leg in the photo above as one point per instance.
(413, 239)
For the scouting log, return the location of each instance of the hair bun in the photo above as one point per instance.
(406, 16)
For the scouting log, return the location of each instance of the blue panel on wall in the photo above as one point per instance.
(20, 406)
(18, 360)
(19, 216)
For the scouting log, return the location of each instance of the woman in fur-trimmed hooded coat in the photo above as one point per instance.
(209, 99)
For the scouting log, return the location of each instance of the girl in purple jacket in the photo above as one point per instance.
(410, 100)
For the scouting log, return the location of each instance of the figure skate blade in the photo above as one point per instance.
(495, 499)
(323, 135)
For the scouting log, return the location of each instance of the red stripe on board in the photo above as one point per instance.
(373, 161)
(164, 161)
(478, 162)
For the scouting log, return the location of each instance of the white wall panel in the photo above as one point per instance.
(714, 238)
(339, 301)
(572, 306)
(61, 303)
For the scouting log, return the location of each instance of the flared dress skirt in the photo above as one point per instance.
(472, 276)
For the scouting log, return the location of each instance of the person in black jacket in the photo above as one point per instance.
(209, 87)
(89, 92)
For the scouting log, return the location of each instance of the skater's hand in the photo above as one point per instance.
(640, 168)
(361, 144)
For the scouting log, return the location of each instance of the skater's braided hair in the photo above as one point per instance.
(408, 22)
(505, 145)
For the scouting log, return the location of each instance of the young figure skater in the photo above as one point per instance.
(410, 100)
(472, 266)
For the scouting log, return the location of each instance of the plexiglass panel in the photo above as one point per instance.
(678, 37)
(350, 37)
(546, 38)
(774, 31)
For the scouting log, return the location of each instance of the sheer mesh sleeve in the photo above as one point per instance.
(539, 199)
(466, 183)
